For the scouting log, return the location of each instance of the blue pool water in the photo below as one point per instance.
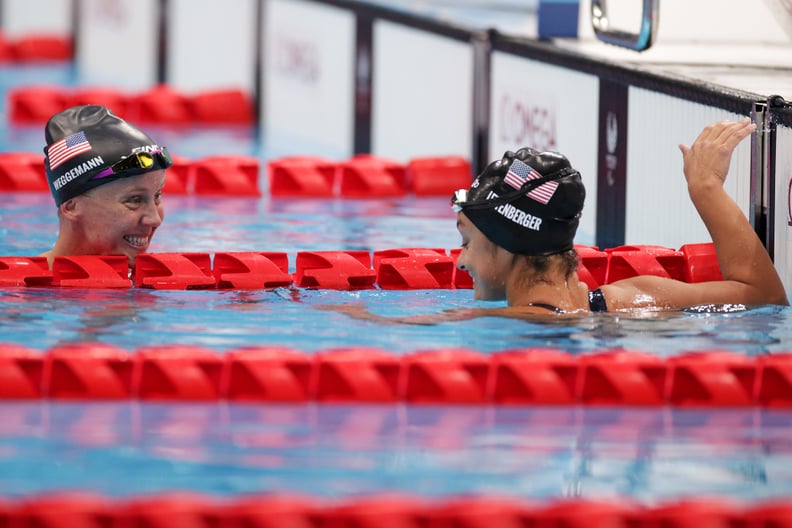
(45, 317)
(124, 450)
(127, 449)
(222, 320)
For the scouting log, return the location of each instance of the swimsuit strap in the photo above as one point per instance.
(547, 307)
(597, 301)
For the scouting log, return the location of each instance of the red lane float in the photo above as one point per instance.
(159, 105)
(533, 377)
(177, 373)
(250, 270)
(630, 261)
(701, 262)
(174, 271)
(771, 512)
(484, 512)
(413, 268)
(91, 271)
(226, 176)
(222, 107)
(446, 376)
(695, 513)
(113, 98)
(35, 104)
(172, 509)
(367, 176)
(775, 388)
(35, 48)
(6, 50)
(175, 508)
(21, 373)
(592, 266)
(65, 508)
(272, 510)
(88, 371)
(25, 271)
(336, 270)
(275, 374)
(568, 513)
(621, 378)
(356, 374)
(438, 176)
(269, 511)
(22, 171)
(715, 378)
(307, 176)
(394, 511)
(179, 178)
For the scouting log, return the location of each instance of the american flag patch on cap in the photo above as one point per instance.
(62, 151)
(519, 173)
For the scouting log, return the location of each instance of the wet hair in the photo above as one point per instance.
(84, 142)
(541, 263)
(527, 202)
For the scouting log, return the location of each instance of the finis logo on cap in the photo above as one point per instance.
(147, 148)
(62, 151)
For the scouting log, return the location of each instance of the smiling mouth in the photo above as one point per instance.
(137, 241)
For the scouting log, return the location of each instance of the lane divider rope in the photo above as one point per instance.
(537, 376)
(361, 176)
(69, 509)
(397, 269)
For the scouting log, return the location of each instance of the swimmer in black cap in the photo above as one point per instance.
(106, 177)
(518, 222)
(519, 218)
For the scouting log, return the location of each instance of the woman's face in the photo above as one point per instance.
(488, 264)
(120, 217)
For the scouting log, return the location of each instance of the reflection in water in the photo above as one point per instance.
(226, 319)
(130, 448)
(77, 314)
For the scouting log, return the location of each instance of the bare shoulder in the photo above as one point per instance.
(631, 293)
(648, 291)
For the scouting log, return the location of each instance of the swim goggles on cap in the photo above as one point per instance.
(459, 201)
(141, 161)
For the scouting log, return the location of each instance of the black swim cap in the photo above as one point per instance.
(85, 145)
(528, 202)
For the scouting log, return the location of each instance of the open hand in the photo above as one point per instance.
(707, 161)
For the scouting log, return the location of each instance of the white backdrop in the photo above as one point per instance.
(27, 17)
(308, 79)
(783, 210)
(117, 43)
(212, 44)
(422, 94)
(659, 210)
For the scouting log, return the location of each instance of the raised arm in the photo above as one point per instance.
(748, 272)
(742, 257)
